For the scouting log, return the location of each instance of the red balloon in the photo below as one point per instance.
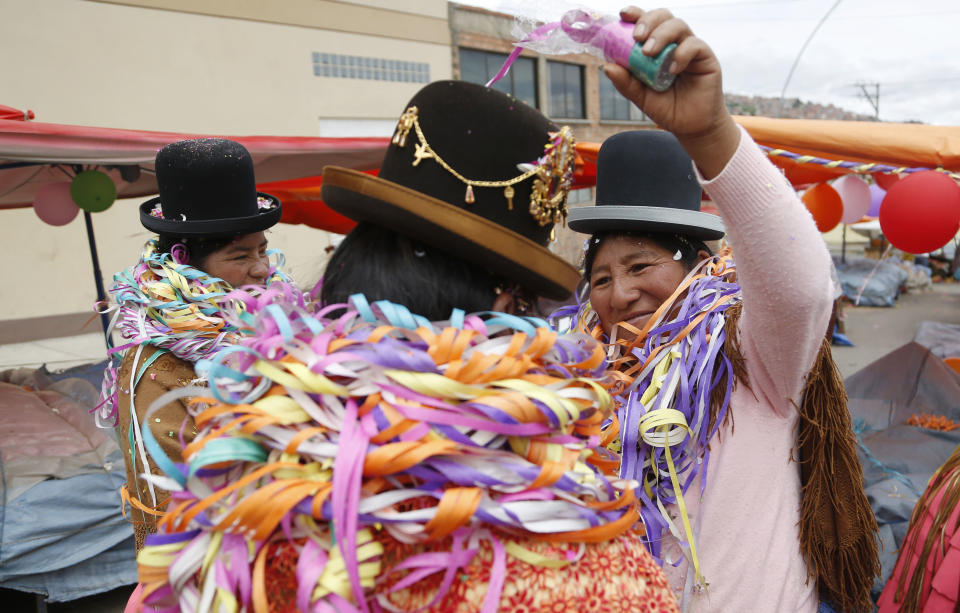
(885, 180)
(825, 204)
(921, 213)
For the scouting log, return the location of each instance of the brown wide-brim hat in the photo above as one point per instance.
(482, 135)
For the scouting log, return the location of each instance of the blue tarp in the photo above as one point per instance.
(898, 460)
(66, 538)
(62, 532)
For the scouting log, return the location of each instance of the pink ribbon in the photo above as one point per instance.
(345, 495)
(538, 34)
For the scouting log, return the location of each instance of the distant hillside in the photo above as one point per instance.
(793, 108)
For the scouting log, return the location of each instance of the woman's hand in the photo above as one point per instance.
(693, 108)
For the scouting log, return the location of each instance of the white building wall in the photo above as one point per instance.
(124, 66)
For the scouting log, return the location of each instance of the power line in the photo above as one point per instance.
(796, 61)
(892, 85)
(921, 81)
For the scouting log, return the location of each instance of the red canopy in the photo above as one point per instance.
(8, 112)
(33, 154)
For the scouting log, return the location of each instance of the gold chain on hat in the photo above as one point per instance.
(554, 171)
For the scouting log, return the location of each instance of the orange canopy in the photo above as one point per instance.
(840, 147)
(900, 145)
(897, 144)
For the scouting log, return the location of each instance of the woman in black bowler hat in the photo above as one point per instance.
(210, 222)
(731, 411)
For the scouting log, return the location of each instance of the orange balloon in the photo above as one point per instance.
(825, 204)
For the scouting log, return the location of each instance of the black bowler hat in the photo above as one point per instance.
(475, 173)
(207, 188)
(646, 182)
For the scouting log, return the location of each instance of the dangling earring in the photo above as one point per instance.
(521, 304)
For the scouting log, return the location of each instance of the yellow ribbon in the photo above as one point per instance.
(532, 557)
(666, 423)
(212, 550)
(298, 376)
(225, 601)
(284, 408)
(564, 409)
(334, 578)
(159, 555)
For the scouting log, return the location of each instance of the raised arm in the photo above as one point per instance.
(783, 265)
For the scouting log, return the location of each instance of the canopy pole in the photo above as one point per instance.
(98, 278)
(843, 249)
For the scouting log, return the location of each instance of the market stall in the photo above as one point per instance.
(903, 174)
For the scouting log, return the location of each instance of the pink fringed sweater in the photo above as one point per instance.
(746, 524)
(940, 589)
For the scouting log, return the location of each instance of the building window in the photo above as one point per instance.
(583, 195)
(613, 106)
(566, 90)
(372, 68)
(480, 66)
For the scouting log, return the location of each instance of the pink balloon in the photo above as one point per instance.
(855, 194)
(876, 198)
(54, 204)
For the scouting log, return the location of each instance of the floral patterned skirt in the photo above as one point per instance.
(612, 577)
(618, 575)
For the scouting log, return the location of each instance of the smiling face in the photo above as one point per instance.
(241, 262)
(630, 278)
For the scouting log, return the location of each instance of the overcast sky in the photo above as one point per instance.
(911, 48)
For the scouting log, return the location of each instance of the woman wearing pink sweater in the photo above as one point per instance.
(769, 515)
(926, 578)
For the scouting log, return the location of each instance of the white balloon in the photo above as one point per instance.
(855, 194)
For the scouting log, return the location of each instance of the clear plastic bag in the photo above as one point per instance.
(604, 36)
(578, 31)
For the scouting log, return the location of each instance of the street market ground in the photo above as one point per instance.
(876, 331)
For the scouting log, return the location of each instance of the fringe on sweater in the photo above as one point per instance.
(838, 531)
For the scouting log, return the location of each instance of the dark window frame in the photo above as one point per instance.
(623, 110)
(492, 61)
(568, 111)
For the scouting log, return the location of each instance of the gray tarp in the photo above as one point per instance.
(943, 340)
(898, 459)
(868, 282)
